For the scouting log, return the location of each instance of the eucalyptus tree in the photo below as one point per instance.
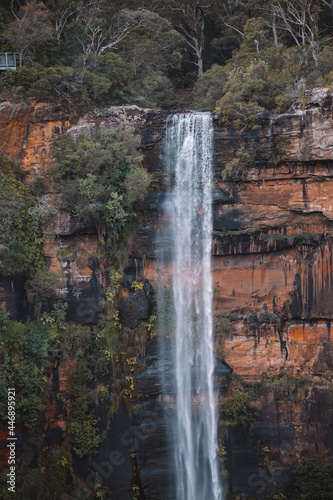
(30, 28)
(189, 18)
(328, 4)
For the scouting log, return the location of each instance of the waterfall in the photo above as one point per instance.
(188, 352)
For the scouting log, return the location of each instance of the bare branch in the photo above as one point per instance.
(233, 28)
(122, 33)
(13, 11)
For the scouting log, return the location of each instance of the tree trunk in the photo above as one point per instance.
(200, 66)
(276, 41)
(198, 53)
(329, 5)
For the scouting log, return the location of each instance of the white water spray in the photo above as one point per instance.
(189, 146)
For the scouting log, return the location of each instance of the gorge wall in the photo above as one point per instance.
(272, 276)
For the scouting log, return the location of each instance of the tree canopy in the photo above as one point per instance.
(240, 56)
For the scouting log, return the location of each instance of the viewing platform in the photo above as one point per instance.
(7, 60)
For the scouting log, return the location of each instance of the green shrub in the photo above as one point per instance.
(314, 481)
(68, 253)
(261, 76)
(40, 286)
(53, 478)
(101, 179)
(22, 220)
(243, 159)
(26, 352)
(82, 425)
(208, 88)
(235, 408)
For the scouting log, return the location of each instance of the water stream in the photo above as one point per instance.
(189, 351)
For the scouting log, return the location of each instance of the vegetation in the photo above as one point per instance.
(26, 353)
(285, 388)
(101, 360)
(242, 160)
(23, 219)
(236, 409)
(101, 179)
(52, 478)
(314, 480)
(252, 405)
(241, 57)
(223, 328)
(67, 253)
(20, 235)
(238, 59)
(94, 53)
(272, 67)
(82, 427)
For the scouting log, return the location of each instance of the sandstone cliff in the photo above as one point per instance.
(272, 272)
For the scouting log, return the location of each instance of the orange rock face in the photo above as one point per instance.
(27, 134)
(271, 246)
(305, 349)
(247, 282)
(27, 131)
(272, 251)
(82, 248)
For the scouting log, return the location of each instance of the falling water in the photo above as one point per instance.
(188, 152)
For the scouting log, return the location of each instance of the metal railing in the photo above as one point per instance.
(7, 60)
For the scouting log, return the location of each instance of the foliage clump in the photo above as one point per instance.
(250, 56)
(52, 477)
(223, 328)
(101, 179)
(19, 236)
(82, 428)
(94, 56)
(24, 217)
(314, 480)
(262, 74)
(242, 160)
(236, 408)
(26, 352)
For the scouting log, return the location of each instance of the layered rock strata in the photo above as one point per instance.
(272, 272)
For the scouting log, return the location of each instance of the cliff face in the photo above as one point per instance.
(27, 130)
(272, 274)
(271, 245)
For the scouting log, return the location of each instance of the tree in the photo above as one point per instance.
(259, 76)
(96, 179)
(192, 26)
(41, 286)
(230, 20)
(104, 36)
(300, 20)
(61, 12)
(188, 18)
(329, 4)
(30, 28)
(119, 28)
(88, 10)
